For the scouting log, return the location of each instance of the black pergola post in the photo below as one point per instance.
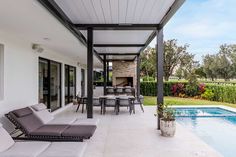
(107, 71)
(90, 73)
(104, 74)
(138, 76)
(160, 62)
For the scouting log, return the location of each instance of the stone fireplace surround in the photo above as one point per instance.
(122, 72)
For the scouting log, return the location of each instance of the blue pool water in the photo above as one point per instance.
(215, 126)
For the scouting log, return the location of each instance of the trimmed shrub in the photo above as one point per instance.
(191, 90)
(208, 94)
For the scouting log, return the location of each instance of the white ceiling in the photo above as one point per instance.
(31, 21)
(119, 36)
(115, 11)
(121, 57)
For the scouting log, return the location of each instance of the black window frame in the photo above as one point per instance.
(67, 100)
(49, 82)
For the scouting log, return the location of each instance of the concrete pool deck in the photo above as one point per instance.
(135, 135)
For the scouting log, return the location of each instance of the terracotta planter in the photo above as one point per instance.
(167, 128)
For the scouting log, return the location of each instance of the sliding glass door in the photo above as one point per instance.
(70, 83)
(50, 83)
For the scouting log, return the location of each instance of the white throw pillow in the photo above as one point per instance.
(5, 139)
(39, 107)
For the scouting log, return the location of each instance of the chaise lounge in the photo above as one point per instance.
(10, 148)
(34, 129)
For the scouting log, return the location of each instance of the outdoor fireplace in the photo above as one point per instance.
(124, 73)
(124, 81)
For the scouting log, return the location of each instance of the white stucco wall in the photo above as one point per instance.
(1, 71)
(21, 73)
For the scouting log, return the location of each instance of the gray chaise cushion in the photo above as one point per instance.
(29, 123)
(83, 131)
(62, 120)
(50, 130)
(22, 112)
(65, 149)
(5, 139)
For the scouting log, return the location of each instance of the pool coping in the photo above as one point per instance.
(205, 106)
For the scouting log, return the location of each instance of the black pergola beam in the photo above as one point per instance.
(173, 9)
(119, 54)
(118, 26)
(119, 45)
(148, 41)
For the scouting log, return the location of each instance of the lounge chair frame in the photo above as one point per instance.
(25, 136)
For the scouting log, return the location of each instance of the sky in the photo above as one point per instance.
(204, 25)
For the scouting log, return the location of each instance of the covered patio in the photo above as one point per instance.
(110, 31)
(136, 136)
(116, 31)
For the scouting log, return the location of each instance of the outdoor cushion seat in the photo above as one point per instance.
(33, 128)
(85, 131)
(62, 121)
(49, 130)
(10, 148)
(65, 149)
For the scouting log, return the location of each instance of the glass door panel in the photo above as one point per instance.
(55, 85)
(50, 83)
(72, 83)
(43, 82)
(66, 84)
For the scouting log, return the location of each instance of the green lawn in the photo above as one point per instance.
(148, 100)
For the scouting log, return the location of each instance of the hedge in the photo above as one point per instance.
(221, 93)
(149, 88)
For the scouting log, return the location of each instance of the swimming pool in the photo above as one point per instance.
(215, 126)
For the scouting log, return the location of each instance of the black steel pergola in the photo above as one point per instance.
(105, 58)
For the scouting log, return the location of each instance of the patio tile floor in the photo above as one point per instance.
(135, 135)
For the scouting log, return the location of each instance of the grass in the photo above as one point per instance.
(148, 101)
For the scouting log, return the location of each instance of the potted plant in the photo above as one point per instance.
(167, 120)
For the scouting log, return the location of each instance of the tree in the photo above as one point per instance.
(200, 72)
(226, 61)
(222, 64)
(174, 55)
(179, 73)
(209, 66)
(146, 66)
